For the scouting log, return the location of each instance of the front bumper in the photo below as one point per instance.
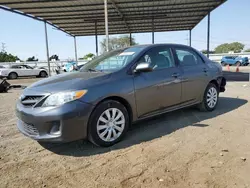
(54, 124)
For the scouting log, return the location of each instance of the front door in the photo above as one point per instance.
(195, 74)
(160, 88)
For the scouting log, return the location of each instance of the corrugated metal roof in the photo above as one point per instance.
(78, 17)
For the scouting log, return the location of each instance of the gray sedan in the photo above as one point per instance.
(101, 100)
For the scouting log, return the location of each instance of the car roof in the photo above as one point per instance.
(161, 44)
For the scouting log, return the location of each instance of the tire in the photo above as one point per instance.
(43, 74)
(12, 75)
(206, 104)
(237, 63)
(223, 64)
(102, 129)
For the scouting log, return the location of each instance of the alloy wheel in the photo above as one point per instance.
(212, 97)
(110, 124)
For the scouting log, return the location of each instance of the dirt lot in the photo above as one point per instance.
(182, 149)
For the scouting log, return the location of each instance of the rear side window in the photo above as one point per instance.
(16, 67)
(187, 57)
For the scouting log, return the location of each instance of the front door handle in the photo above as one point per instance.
(205, 70)
(175, 75)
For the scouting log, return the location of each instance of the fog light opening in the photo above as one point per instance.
(55, 130)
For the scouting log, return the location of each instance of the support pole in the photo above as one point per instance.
(96, 39)
(153, 31)
(76, 59)
(190, 37)
(106, 24)
(208, 34)
(47, 46)
(130, 39)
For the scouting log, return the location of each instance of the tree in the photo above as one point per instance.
(205, 52)
(118, 42)
(32, 59)
(227, 47)
(5, 57)
(247, 50)
(55, 57)
(89, 56)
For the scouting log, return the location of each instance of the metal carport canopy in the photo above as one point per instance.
(79, 17)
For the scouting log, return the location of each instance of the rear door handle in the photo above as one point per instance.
(175, 75)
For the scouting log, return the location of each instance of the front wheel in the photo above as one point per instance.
(12, 75)
(223, 64)
(108, 123)
(210, 98)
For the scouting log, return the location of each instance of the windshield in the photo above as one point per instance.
(112, 61)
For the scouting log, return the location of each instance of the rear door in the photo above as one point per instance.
(160, 88)
(195, 74)
(28, 71)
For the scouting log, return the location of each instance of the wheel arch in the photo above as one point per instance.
(13, 72)
(42, 70)
(121, 100)
(215, 82)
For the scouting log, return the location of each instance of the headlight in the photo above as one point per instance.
(58, 99)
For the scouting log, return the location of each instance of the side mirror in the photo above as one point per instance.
(143, 67)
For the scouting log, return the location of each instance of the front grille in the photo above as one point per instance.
(30, 101)
(30, 129)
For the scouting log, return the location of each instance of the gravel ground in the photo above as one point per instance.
(183, 149)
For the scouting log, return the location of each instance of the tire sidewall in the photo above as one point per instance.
(237, 63)
(43, 72)
(92, 125)
(13, 73)
(205, 97)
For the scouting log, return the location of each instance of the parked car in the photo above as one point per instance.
(15, 71)
(109, 93)
(234, 60)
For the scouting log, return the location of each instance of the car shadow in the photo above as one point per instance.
(149, 129)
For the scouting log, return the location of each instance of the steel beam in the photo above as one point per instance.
(158, 14)
(106, 24)
(118, 23)
(130, 39)
(113, 27)
(165, 10)
(136, 31)
(124, 31)
(130, 5)
(190, 37)
(76, 59)
(33, 17)
(121, 14)
(47, 46)
(153, 31)
(208, 34)
(96, 39)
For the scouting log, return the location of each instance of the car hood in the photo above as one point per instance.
(68, 81)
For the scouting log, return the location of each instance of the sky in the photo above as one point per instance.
(25, 37)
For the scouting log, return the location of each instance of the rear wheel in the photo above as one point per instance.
(108, 123)
(237, 63)
(43, 74)
(13, 75)
(210, 98)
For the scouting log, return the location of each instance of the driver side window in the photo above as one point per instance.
(158, 58)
